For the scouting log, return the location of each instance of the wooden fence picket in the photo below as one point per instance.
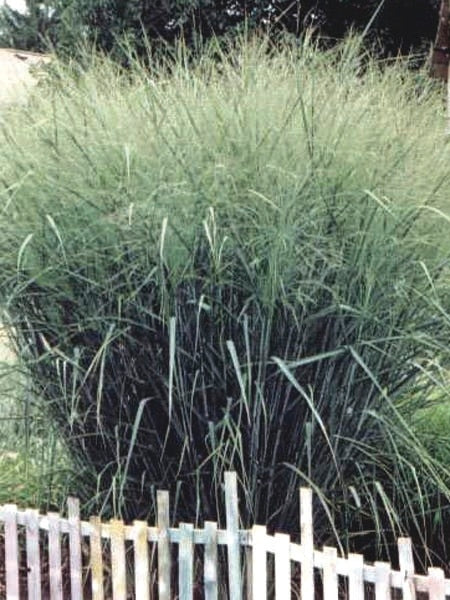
(33, 554)
(406, 560)
(210, 562)
(307, 543)
(355, 577)
(118, 560)
(259, 562)
(76, 582)
(382, 581)
(282, 567)
(436, 584)
(186, 562)
(160, 539)
(233, 542)
(96, 559)
(141, 564)
(162, 500)
(330, 578)
(54, 556)
(11, 552)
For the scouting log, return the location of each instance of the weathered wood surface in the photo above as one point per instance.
(96, 559)
(73, 510)
(186, 562)
(141, 561)
(54, 556)
(109, 541)
(33, 555)
(210, 575)
(163, 546)
(118, 561)
(234, 547)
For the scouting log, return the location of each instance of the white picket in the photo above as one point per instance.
(234, 547)
(330, 578)
(141, 564)
(307, 542)
(282, 567)
(259, 562)
(186, 562)
(11, 552)
(355, 577)
(257, 544)
(210, 562)
(162, 500)
(436, 584)
(54, 555)
(118, 564)
(33, 554)
(382, 581)
(96, 559)
(73, 510)
(406, 560)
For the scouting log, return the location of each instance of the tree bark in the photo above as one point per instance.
(441, 50)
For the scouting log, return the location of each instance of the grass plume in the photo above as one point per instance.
(236, 263)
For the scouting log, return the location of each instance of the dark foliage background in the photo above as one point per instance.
(400, 25)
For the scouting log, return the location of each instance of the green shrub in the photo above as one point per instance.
(238, 264)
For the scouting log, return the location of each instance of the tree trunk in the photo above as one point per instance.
(441, 50)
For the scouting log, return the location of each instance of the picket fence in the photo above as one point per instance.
(259, 580)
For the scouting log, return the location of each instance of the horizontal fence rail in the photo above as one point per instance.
(112, 560)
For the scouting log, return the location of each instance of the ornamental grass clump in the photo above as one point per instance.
(238, 262)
